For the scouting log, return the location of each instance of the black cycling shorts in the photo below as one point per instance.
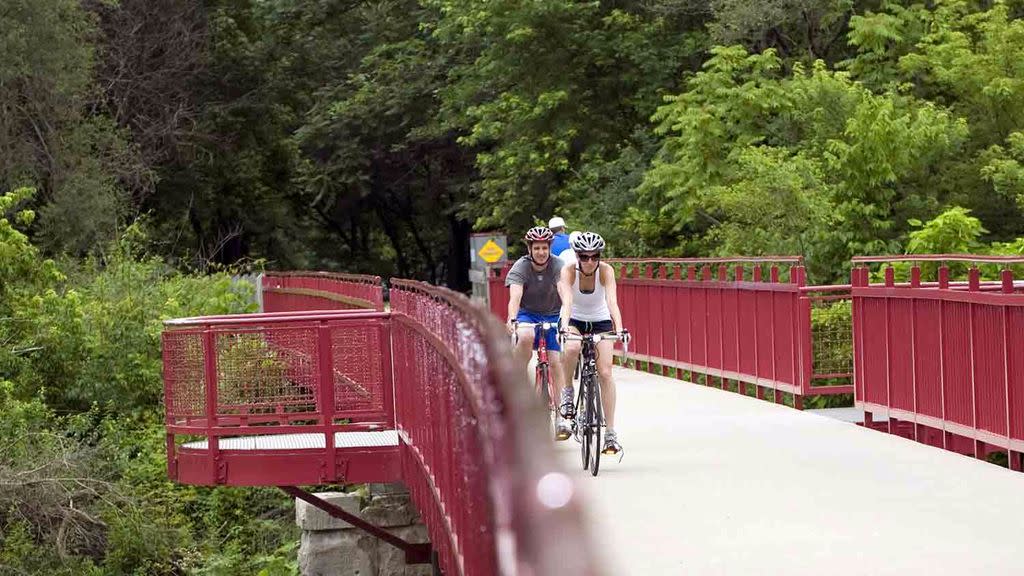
(599, 327)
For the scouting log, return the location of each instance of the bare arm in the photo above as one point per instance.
(611, 296)
(515, 296)
(565, 281)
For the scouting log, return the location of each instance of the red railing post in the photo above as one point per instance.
(738, 277)
(722, 276)
(1006, 276)
(974, 284)
(776, 393)
(757, 336)
(890, 281)
(943, 285)
(210, 373)
(664, 320)
(325, 383)
(805, 348)
(915, 282)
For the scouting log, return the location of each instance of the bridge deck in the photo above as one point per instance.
(302, 441)
(716, 483)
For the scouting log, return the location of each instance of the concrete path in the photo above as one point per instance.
(716, 483)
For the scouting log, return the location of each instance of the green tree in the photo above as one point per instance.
(542, 88)
(51, 135)
(755, 159)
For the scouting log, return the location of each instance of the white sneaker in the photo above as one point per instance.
(611, 443)
(563, 429)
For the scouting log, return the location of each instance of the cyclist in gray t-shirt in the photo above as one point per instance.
(534, 298)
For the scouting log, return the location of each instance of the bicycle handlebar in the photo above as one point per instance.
(567, 336)
(516, 325)
(595, 338)
(544, 325)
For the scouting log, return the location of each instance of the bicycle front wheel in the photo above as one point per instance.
(597, 419)
(583, 421)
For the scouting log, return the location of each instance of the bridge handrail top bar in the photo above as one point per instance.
(322, 312)
(991, 259)
(450, 297)
(721, 260)
(826, 288)
(276, 318)
(366, 278)
(983, 285)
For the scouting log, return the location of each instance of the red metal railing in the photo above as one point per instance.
(470, 442)
(300, 291)
(299, 378)
(473, 449)
(943, 357)
(737, 319)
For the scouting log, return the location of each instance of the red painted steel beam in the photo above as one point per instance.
(279, 467)
(414, 553)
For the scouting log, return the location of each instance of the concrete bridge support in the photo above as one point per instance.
(333, 547)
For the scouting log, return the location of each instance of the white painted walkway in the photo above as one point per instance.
(716, 483)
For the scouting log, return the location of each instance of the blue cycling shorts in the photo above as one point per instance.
(551, 337)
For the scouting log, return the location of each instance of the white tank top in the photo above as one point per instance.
(592, 307)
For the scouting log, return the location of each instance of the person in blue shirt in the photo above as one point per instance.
(561, 242)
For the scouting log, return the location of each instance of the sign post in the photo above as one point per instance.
(486, 251)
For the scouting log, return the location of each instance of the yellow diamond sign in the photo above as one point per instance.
(491, 252)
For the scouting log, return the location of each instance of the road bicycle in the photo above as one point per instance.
(589, 412)
(542, 372)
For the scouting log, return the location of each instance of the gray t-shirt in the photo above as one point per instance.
(540, 289)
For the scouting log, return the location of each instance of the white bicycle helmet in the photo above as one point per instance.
(588, 242)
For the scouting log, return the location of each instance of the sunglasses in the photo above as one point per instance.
(588, 257)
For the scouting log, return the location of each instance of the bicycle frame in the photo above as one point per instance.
(542, 382)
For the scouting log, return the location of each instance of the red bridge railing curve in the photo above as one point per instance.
(473, 450)
(315, 397)
(941, 360)
(299, 291)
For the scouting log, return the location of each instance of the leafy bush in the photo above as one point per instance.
(83, 467)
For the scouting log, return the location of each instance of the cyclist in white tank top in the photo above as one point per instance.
(592, 308)
(590, 305)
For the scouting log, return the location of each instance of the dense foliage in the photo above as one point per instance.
(149, 149)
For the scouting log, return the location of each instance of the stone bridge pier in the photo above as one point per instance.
(333, 547)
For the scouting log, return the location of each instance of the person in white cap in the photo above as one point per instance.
(568, 257)
(561, 242)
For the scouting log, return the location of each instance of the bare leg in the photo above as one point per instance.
(605, 350)
(572, 356)
(524, 350)
(557, 375)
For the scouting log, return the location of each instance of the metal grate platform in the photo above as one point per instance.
(303, 441)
